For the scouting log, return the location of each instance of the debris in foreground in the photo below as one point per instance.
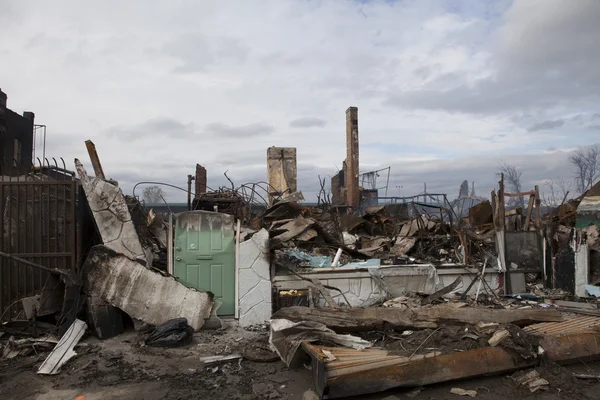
(22, 347)
(532, 380)
(219, 359)
(286, 337)
(63, 351)
(142, 293)
(498, 337)
(463, 392)
(173, 333)
(586, 376)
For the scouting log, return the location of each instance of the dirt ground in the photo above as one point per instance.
(120, 368)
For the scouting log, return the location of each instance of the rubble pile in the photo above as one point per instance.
(397, 295)
(312, 236)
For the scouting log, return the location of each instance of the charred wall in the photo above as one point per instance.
(16, 140)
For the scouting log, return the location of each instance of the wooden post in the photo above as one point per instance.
(189, 196)
(91, 148)
(501, 236)
(529, 211)
(538, 202)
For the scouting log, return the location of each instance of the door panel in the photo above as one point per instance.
(204, 255)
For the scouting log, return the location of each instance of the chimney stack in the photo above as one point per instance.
(351, 178)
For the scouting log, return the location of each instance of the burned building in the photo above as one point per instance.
(344, 185)
(16, 139)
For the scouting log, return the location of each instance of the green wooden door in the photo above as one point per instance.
(204, 255)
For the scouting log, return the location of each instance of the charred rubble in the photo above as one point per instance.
(407, 293)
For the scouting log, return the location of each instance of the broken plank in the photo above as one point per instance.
(324, 292)
(442, 292)
(211, 360)
(586, 376)
(373, 318)
(63, 351)
(91, 148)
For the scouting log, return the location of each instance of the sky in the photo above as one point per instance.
(445, 90)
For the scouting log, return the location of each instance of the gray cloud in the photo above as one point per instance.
(536, 64)
(224, 130)
(174, 129)
(196, 52)
(156, 127)
(308, 122)
(546, 125)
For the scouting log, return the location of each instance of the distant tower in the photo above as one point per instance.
(464, 190)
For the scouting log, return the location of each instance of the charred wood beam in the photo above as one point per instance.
(365, 319)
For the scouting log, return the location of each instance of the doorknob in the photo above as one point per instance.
(177, 258)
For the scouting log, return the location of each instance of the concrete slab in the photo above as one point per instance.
(143, 293)
(255, 281)
(111, 215)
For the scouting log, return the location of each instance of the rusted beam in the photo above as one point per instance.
(387, 372)
(91, 148)
(578, 347)
(354, 372)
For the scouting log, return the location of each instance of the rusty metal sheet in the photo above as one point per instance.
(572, 324)
(352, 372)
(572, 348)
(362, 372)
(38, 216)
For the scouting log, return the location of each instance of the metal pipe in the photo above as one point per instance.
(336, 260)
(31, 264)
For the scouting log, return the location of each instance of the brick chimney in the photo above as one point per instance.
(351, 178)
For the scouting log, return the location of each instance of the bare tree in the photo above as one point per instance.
(556, 192)
(512, 179)
(587, 166)
(153, 194)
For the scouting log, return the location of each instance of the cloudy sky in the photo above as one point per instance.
(445, 89)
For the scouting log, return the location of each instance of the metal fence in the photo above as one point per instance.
(39, 225)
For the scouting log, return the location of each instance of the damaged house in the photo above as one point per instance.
(372, 295)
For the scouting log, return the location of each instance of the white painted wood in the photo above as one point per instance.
(63, 351)
(237, 269)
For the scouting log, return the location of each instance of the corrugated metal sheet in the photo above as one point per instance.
(39, 224)
(341, 373)
(574, 323)
(589, 204)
